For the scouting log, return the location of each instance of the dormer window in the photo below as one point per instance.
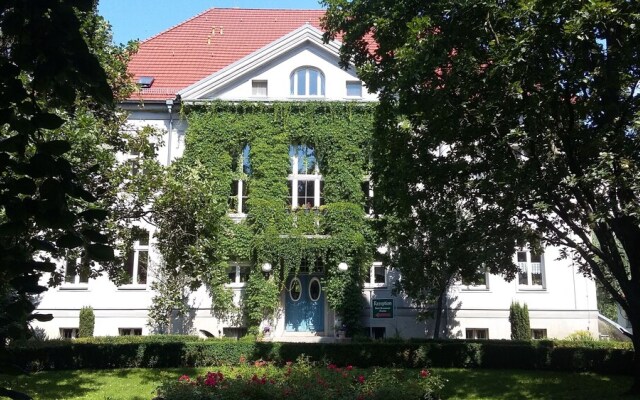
(307, 81)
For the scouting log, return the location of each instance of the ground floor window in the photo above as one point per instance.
(130, 331)
(477, 333)
(69, 333)
(234, 332)
(375, 332)
(538, 334)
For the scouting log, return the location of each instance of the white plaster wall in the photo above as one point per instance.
(278, 72)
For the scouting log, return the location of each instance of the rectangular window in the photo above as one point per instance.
(137, 262)
(367, 192)
(530, 269)
(69, 333)
(305, 181)
(378, 332)
(354, 89)
(477, 282)
(306, 194)
(234, 332)
(259, 88)
(238, 197)
(238, 273)
(239, 193)
(377, 275)
(477, 333)
(75, 272)
(538, 334)
(130, 331)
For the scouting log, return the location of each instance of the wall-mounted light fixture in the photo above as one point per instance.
(266, 267)
(343, 266)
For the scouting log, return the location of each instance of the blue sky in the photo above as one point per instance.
(141, 19)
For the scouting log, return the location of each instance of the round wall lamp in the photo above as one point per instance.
(266, 267)
(343, 266)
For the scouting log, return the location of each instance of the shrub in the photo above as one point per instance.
(172, 352)
(87, 322)
(304, 380)
(580, 336)
(519, 319)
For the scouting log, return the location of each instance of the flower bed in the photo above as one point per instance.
(304, 380)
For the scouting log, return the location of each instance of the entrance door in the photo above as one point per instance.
(304, 305)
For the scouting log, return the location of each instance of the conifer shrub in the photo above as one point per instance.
(87, 322)
(519, 319)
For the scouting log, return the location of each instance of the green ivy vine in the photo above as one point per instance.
(338, 231)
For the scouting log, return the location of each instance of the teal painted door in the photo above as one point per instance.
(304, 305)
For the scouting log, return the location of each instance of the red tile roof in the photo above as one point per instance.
(208, 42)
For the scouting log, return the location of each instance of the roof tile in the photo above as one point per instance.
(208, 42)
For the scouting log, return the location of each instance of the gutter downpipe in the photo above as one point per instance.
(169, 110)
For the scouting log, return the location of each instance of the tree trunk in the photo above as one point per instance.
(438, 316)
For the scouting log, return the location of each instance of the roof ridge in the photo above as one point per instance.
(177, 25)
(225, 8)
(267, 9)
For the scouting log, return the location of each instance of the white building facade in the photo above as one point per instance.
(294, 66)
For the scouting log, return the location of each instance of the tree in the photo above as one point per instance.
(58, 135)
(519, 320)
(536, 106)
(87, 322)
(188, 217)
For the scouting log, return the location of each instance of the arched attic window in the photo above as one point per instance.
(307, 81)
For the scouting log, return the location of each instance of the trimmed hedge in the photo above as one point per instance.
(167, 352)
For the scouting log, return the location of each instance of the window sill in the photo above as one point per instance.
(133, 287)
(534, 289)
(74, 288)
(236, 285)
(375, 285)
(237, 216)
(306, 97)
(475, 290)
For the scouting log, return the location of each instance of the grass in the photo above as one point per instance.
(140, 384)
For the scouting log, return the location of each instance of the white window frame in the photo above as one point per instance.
(237, 195)
(353, 82)
(368, 200)
(76, 284)
(477, 288)
(237, 268)
(528, 267)
(75, 333)
(256, 85)
(541, 330)
(129, 331)
(371, 283)
(294, 178)
(293, 82)
(474, 333)
(136, 250)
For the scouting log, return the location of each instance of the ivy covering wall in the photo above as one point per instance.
(338, 231)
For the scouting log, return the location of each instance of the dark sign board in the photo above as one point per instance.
(382, 308)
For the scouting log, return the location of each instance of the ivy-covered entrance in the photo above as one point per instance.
(304, 305)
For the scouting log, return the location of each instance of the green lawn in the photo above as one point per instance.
(140, 384)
